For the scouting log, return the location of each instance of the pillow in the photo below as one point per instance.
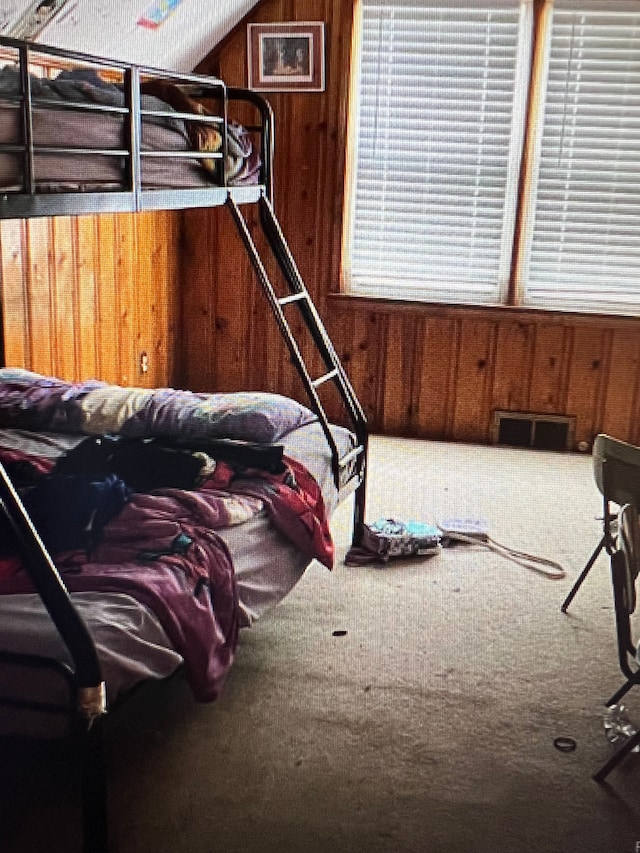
(35, 402)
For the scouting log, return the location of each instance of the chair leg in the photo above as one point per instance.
(583, 574)
(627, 747)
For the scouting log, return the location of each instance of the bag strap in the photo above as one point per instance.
(542, 565)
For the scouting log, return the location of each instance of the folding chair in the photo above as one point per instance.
(616, 468)
(625, 565)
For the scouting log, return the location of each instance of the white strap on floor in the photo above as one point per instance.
(547, 568)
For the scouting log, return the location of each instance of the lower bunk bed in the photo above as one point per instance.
(174, 520)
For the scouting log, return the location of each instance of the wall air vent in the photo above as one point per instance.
(527, 429)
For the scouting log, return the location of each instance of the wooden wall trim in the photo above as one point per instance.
(498, 313)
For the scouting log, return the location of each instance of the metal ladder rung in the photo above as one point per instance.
(351, 455)
(295, 297)
(357, 456)
(322, 379)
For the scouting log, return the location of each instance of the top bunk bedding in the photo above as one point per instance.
(108, 136)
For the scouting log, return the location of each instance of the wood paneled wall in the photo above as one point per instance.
(427, 371)
(88, 296)
(240, 342)
(442, 373)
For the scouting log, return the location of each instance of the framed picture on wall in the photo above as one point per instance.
(287, 57)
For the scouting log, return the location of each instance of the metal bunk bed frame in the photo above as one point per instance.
(84, 679)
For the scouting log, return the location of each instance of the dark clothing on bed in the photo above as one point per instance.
(69, 512)
(147, 464)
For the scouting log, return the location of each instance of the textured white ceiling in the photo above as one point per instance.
(184, 32)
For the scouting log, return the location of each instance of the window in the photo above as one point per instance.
(487, 172)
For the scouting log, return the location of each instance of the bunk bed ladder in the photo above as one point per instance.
(334, 371)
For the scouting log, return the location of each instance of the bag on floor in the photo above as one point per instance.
(388, 538)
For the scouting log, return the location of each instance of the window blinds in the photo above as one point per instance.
(582, 217)
(440, 117)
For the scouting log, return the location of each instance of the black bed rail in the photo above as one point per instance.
(87, 688)
(266, 130)
(128, 193)
(53, 592)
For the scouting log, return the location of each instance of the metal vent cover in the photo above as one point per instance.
(532, 429)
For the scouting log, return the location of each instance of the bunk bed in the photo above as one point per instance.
(103, 136)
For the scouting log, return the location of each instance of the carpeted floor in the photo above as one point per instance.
(428, 727)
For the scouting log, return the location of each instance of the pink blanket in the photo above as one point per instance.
(162, 549)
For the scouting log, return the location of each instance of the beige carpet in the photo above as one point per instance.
(427, 728)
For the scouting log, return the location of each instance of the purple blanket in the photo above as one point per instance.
(191, 589)
(31, 401)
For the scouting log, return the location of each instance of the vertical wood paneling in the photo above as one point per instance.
(634, 430)
(128, 297)
(39, 295)
(435, 378)
(15, 309)
(512, 367)
(550, 365)
(163, 282)
(149, 291)
(82, 296)
(198, 287)
(108, 313)
(398, 374)
(585, 380)
(263, 344)
(232, 307)
(87, 297)
(621, 388)
(306, 143)
(470, 410)
(359, 337)
(63, 298)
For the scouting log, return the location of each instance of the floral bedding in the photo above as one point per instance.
(31, 401)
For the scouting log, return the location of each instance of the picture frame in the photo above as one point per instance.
(286, 57)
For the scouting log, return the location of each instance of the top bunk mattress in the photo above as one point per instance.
(79, 123)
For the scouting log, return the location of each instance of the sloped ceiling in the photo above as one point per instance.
(171, 34)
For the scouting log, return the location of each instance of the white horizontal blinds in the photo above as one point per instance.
(440, 121)
(583, 244)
